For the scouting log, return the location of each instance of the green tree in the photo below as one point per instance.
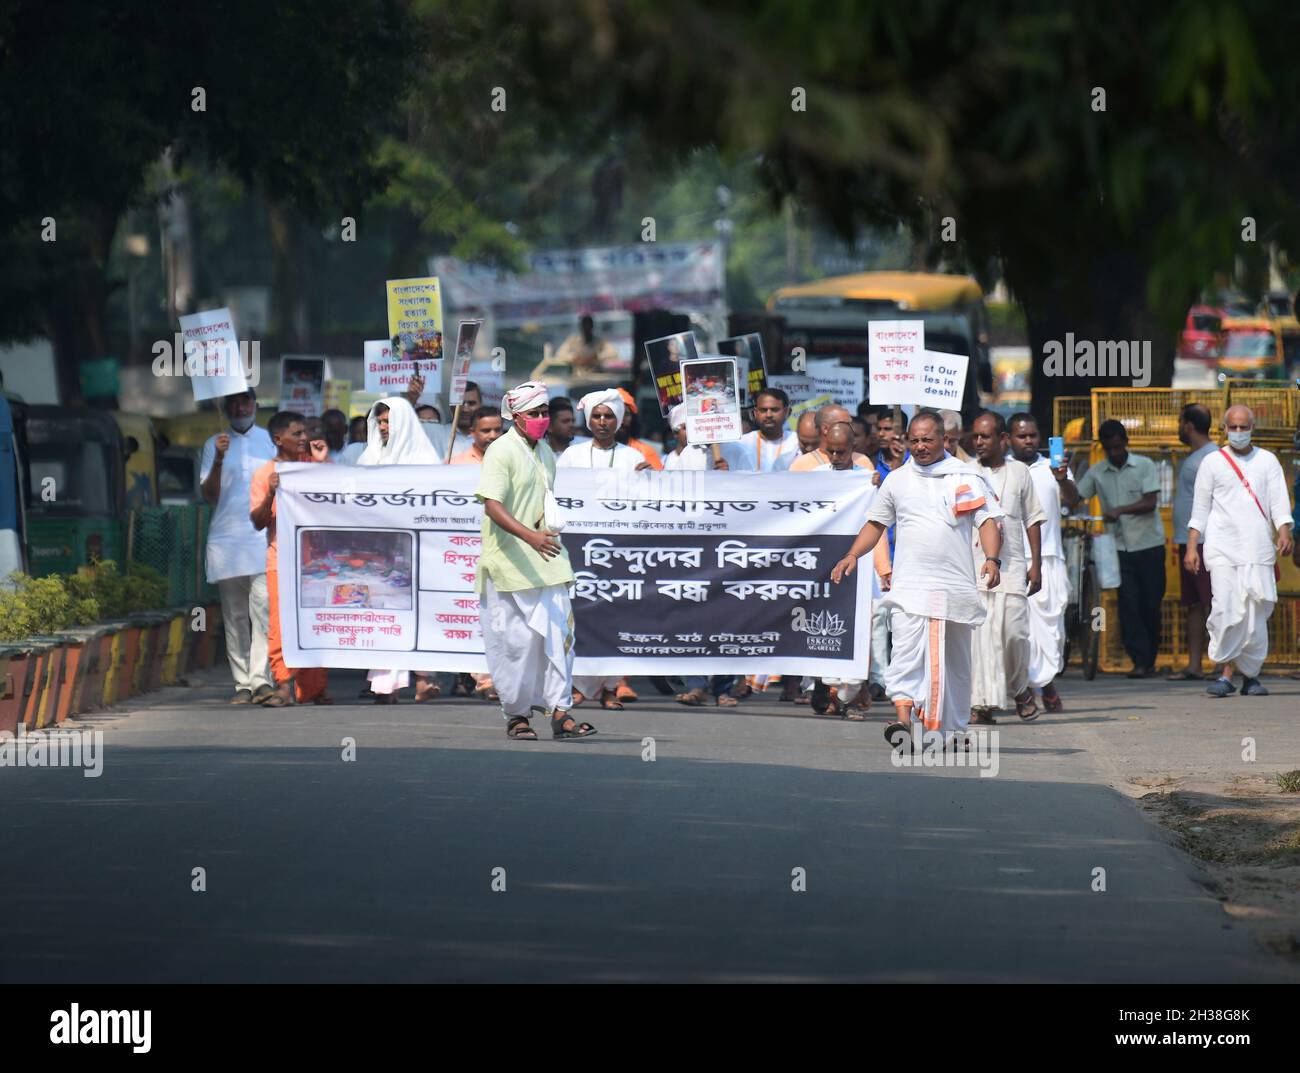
(289, 97)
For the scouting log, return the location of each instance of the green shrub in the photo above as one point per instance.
(43, 605)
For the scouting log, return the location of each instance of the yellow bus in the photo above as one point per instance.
(828, 318)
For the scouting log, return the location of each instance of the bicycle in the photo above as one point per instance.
(1085, 595)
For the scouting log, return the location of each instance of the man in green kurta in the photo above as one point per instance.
(524, 574)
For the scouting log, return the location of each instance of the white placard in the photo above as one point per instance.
(387, 377)
(895, 356)
(711, 392)
(212, 356)
(466, 337)
(943, 379)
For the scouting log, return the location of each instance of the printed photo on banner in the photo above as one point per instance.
(355, 568)
(666, 356)
(466, 338)
(387, 376)
(895, 355)
(211, 356)
(748, 347)
(302, 384)
(415, 319)
(711, 387)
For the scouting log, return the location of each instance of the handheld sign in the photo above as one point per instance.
(666, 356)
(387, 376)
(415, 318)
(466, 337)
(750, 348)
(895, 354)
(302, 384)
(711, 387)
(212, 355)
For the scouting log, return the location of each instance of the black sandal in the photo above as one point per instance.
(899, 735)
(519, 729)
(579, 730)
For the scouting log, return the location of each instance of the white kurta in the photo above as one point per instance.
(1047, 605)
(755, 453)
(1239, 551)
(690, 457)
(1000, 655)
(234, 547)
(933, 600)
(586, 455)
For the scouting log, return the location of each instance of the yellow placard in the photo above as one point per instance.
(415, 319)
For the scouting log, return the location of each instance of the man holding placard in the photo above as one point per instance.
(770, 447)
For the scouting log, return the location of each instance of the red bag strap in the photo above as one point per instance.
(1242, 477)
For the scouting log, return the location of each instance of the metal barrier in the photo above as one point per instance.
(173, 540)
(1067, 409)
(1275, 404)
(1150, 414)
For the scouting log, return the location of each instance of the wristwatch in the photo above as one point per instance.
(991, 559)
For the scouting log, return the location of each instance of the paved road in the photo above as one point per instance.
(617, 869)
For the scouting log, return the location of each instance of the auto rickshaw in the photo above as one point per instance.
(76, 488)
(141, 459)
(1252, 349)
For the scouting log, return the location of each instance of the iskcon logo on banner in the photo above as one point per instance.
(823, 629)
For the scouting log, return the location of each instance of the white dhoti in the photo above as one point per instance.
(528, 642)
(1242, 600)
(1047, 623)
(930, 665)
(1000, 651)
(385, 682)
(592, 686)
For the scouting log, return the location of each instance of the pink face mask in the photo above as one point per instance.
(535, 427)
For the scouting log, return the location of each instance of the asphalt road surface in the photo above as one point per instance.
(320, 869)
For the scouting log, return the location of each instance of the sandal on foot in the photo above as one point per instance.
(276, 700)
(519, 729)
(726, 701)
(982, 718)
(1027, 709)
(609, 701)
(898, 735)
(1053, 703)
(579, 730)
(693, 699)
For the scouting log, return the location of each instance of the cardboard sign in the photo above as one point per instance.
(385, 376)
(415, 319)
(748, 347)
(895, 355)
(338, 395)
(711, 386)
(212, 355)
(665, 356)
(466, 337)
(302, 384)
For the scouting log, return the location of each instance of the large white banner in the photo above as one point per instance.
(694, 572)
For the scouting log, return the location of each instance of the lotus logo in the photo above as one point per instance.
(825, 624)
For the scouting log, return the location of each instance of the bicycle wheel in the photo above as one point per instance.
(1091, 641)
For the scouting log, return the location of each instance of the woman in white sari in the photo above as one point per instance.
(396, 438)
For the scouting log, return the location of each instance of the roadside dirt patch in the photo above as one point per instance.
(1247, 834)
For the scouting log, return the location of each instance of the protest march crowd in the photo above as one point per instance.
(962, 538)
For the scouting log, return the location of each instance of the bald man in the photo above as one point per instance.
(806, 431)
(827, 418)
(1241, 509)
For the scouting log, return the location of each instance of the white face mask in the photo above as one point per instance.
(242, 424)
(1239, 440)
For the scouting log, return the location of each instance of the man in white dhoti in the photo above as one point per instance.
(604, 410)
(937, 503)
(524, 574)
(1241, 507)
(395, 437)
(1001, 644)
(1047, 605)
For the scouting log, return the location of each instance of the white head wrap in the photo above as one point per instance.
(527, 396)
(610, 398)
(677, 416)
(407, 444)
